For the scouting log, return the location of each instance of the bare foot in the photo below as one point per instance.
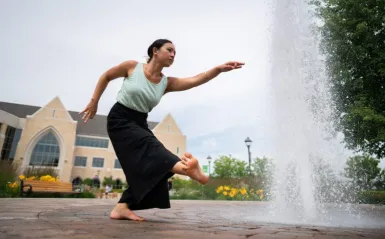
(193, 169)
(121, 212)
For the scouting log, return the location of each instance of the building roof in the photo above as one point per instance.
(96, 127)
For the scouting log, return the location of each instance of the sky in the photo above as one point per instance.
(60, 48)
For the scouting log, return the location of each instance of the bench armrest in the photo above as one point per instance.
(22, 185)
(28, 185)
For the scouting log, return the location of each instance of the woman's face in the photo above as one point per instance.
(166, 54)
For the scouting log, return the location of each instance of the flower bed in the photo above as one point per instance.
(233, 193)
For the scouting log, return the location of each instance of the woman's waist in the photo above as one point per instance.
(119, 110)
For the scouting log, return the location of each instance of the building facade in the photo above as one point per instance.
(32, 136)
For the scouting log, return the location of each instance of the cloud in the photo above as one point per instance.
(210, 144)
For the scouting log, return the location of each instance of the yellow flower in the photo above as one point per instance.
(13, 185)
(260, 193)
(227, 188)
(225, 193)
(220, 189)
(21, 177)
(47, 178)
(243, 191)
(232, 193)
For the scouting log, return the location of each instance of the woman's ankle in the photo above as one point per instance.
(121, 206)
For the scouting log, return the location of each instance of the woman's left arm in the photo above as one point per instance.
(181, 84)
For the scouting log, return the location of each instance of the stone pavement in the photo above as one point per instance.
(88, 218)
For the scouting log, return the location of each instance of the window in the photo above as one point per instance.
(76, 181)
(15, 142)
(46, 152)
(7, 145)
(98, 162)
(80, 161)
(91, 142)
(117, 164)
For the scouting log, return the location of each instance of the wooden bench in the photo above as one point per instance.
(35, 186)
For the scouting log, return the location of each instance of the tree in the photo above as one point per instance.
(328, 188)
(229, 167)
(108, 181)
(363, 171)
(87, 181)
(263, 169)
(353, 40)
(380, 182)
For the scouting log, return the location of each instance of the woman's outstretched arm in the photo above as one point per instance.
(121, 70)
(181, 84)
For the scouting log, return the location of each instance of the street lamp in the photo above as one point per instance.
(209, 160)
(248, 143)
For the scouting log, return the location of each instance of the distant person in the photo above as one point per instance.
(145, 161)
(108, 190)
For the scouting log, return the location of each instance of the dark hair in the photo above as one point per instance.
(158, 44)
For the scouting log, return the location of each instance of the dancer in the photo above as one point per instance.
(146, 163)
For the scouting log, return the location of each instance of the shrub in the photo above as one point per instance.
(226, 192)
(87, 181)
(40, 171)
(117, 190)
(189, 189)
(8, 173)
(372, 197)
(46, 178)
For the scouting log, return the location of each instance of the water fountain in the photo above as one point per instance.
(295, 63)
(307, 159)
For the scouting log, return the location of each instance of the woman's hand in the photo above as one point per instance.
(90, 111)
(229, 66)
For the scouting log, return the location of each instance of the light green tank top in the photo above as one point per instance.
(140, 94)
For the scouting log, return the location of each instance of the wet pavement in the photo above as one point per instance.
(88, 218)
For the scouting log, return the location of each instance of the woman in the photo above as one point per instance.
(146, 163)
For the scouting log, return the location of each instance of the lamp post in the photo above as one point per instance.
(209, 160)
(248, 143)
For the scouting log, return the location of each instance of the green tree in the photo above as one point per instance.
(229, 167)
(328, 188)
(87, 181)
(363, 171)
(353, 40)
(108, 181)
(263, 170)
(380, 182)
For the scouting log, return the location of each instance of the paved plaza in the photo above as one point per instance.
(88, 218)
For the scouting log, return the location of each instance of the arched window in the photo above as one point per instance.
(118, 184)
(76, 181)
(96, 183)
(46, 152)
